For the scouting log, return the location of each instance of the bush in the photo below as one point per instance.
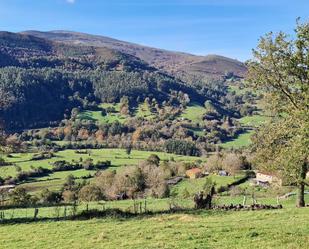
(154, 159)
(69, 196)
(90, 193)
(20, 197)
(3, 162)
(49, 197)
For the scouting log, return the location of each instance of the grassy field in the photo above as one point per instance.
(194, 112)
(97, 116)
(254, 120)
(285, 228)
(195, 185)
(118, 158)
(242, 140)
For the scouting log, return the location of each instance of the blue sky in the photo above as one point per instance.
(226, 27)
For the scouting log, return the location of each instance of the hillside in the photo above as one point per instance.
(36, 71)
(167, 60)
(101, 85)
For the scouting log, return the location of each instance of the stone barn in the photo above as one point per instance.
(267, 179)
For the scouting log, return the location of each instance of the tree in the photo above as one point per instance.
(129, 149)
(124, 105)
(90, 193)
(232, 163)
(50, 197)
(153, 159)
(280, 71)
(69, 182)
(19, 196)
(214, 163)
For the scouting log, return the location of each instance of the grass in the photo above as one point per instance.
(195, 185)
(194, 112)
(242, 140)
(97, 116)
(285, 228)
(254, 120)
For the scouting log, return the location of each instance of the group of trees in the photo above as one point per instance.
(231, 162)
(149, 178)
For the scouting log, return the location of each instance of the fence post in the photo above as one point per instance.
(36, 212)
(244, 200)
(65, 212)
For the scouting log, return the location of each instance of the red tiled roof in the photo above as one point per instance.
(194, 170)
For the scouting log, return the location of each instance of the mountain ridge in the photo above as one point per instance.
(170, 61)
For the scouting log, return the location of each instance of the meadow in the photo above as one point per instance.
(284, 228)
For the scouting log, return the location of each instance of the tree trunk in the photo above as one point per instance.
(300, 201)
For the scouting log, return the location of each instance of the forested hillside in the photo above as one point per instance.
(62, 82)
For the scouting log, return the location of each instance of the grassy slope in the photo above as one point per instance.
(286, 228)
(97, 116)
(195, 185)
(242, 140)
(194, 112)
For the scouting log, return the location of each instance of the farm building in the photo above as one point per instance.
(194, 173)
(267, 179)
(222, 173)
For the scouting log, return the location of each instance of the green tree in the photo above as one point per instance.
(280, 71)
(19, 196)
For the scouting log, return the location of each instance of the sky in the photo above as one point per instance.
(226, 27)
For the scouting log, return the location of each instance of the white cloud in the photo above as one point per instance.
(70, 1)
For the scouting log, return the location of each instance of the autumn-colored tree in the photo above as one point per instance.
(124, 105)
(99, 136)
(280, 70)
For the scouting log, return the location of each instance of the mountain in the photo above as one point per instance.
(44, 75)
(41, 81)
(172, 62)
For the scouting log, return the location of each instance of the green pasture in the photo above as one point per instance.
(254, 120)
(242, 140)
(284, 228)
(194, 112)
(98, 117)
(195, 185)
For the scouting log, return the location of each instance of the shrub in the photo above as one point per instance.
(69, 196)
(20, 197)
(50, 197)
(154, 159)
(90, 193)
